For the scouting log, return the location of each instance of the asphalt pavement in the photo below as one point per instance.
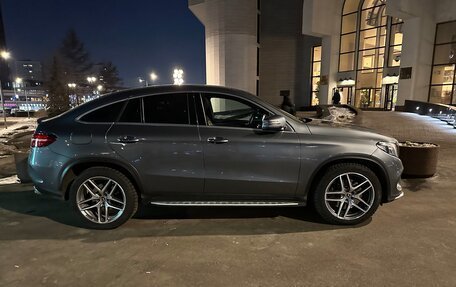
(409, 242)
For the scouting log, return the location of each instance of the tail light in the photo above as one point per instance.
(42, 139)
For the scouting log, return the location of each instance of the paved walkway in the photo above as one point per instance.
(410, 242)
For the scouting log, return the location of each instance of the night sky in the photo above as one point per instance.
(138, 36)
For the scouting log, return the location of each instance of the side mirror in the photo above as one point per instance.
(274, 123)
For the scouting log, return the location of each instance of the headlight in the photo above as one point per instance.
(389, 147)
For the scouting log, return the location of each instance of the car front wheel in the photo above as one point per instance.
(103, 198)
(347, 194)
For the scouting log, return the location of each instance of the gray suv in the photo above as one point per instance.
(207, 146)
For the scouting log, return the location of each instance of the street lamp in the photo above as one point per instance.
(178, 76)
(18, 82)
(99, 88)
(91, 80)
(153, 77)
(72, 86)
(141, 81)
(5, 55)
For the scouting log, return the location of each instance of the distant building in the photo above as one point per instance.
(28, 92)
(378, 53)
(30, 72)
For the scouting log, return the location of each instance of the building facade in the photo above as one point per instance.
(377, 53)
(28, 93)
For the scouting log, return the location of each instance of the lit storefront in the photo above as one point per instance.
(377, 53)
(370, 42)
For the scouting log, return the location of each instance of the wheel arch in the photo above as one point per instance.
(77, 167)
(369, 162)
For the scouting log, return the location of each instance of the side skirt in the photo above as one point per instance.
(229, 203)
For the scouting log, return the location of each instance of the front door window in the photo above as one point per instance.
(230, 112)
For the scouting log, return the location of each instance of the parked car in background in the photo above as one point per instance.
(207, 146)
(7, 112)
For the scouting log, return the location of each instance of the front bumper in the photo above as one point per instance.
(393, 168)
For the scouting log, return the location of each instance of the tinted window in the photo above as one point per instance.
(104, 115)
(132, 112)
(166, 109)
(225, 111)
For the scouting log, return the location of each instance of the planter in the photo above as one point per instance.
(21, 160)
(419, 159)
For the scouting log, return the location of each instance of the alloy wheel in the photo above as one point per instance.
(101, 199)
(349, 196)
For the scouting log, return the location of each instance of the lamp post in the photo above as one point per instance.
(72, 86)
(178, 76)
(141, 81)
(18, 82)
(100, 88)
(5, 55)
(91, 80)
(153, 77)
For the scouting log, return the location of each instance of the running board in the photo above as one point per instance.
(226, 203)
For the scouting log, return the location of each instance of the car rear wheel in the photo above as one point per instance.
(347, 194)
(103, 198)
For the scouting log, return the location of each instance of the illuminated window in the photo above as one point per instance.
(370, 40)
(348, 35)
(316, 72)
(443, 80)
(395, 47)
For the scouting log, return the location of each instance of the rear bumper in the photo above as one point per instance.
(44, 168)
(48, 194)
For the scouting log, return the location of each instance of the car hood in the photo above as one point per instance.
(345, 130)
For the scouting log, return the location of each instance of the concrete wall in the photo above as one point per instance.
(230, 41)
(322, 18)
(288, 31)
(445, 11)
(285, 54)
(417, 47)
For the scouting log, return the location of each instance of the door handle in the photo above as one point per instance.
(217, 140)
(128, 139)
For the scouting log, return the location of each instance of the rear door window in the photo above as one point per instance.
(166, 109)
(107, 114)
(132, 112)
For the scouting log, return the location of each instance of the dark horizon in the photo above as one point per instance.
(169, 35)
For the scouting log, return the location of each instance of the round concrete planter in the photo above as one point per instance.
(419, 160)
(21, 160)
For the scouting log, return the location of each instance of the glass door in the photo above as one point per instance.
(391, 97)
(346, 95)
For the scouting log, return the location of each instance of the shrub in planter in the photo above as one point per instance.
(419, 159)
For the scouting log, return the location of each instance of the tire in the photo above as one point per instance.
(352, 204)
(99, 191)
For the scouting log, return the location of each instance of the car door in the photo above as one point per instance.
(240, 159)
(157, 136)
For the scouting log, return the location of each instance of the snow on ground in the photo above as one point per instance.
(9, 180)
(15, 137)
(16, 125)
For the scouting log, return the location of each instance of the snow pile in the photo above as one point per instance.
(340, 115)
(415, 144)
(13, 139)
(9, 180)
(19, 125)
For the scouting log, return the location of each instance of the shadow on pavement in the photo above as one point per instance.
(23, 216)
